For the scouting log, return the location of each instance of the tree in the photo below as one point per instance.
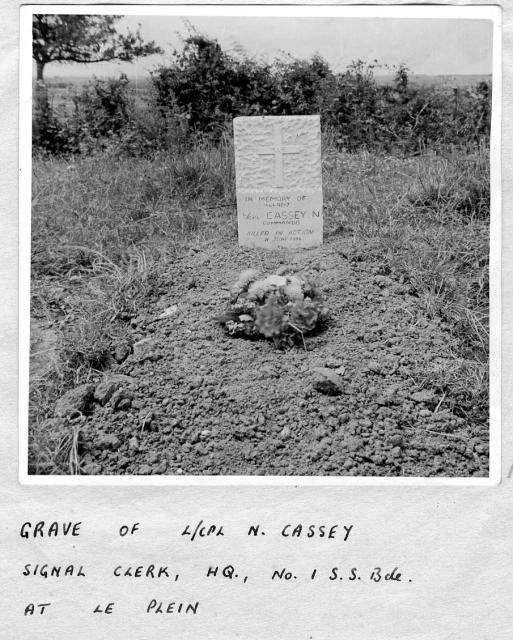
(203, 82)
(79, 38)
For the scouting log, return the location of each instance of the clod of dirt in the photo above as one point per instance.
(373, 366)
(108, 441)
(121, 399)
(334, 363)
(389, 397)
(104, 391)
(396, 440)
(121, 352)
(354, 444)
(92, 469)
(423, 396)
(124, 404)
(168, 312)
(145, 349)
(327, 382)
(144, 470)
(75, 401)
(160, 469)
(196, 382)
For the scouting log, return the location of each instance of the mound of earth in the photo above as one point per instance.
(189, 399)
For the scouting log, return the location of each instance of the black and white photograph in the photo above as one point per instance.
(260, 244)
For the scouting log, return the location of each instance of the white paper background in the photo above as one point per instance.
(454, 542)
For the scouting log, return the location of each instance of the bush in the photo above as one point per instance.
(210, 87)
(48, 132)
(303, 87)
(99, 112)
(405, 116)
(204, 88)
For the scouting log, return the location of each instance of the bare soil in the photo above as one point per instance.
(197, 401)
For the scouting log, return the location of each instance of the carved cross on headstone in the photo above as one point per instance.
(278, 150)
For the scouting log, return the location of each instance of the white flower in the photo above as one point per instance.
(246, 277)
(293, 291)
(258, 290)
(276, 281)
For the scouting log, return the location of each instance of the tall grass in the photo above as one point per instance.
(426, 221)
(109, 204)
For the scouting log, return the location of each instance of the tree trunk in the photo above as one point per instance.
(40, 66)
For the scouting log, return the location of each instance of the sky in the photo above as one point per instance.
(426, 46)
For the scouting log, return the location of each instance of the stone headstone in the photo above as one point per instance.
(278, 177)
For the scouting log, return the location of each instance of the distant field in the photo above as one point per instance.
(76, 82)
(441, 80)
(62, 89)
(79, 81)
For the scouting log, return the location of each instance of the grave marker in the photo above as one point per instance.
(278, 178)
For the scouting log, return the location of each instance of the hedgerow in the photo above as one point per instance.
(204, 87)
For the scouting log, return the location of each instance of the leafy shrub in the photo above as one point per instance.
(48, 132)
(302, 86)
(210, 87)
(355, 106)
(202, 84)
(99, 112)
(406, 116)
(203, 88)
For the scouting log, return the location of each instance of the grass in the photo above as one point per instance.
(103, 226)
(426, 220)
(111, 205)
